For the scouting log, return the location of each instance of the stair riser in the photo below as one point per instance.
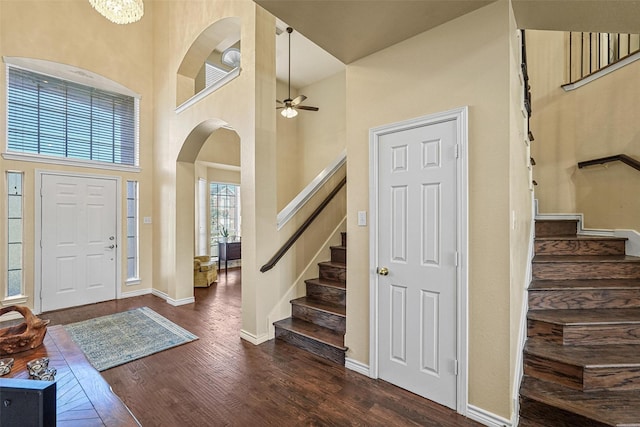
(585, 270)
(338, 274)
(552, 416)
(580, 378)
(551, 370)
(556, 228)
(339, 254)
(585, 334)
(327, 293)
(583, 299)
(321, 318)
(312, 346)
(580, 247)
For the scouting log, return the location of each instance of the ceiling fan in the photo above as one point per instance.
(290, 106)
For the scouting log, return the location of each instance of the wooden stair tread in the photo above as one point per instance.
(604, 316)
(326, 282)
(318, 333)
(333, 264)
(327, 307)
(588, 356)
(615, 408)
(584, 258)
(584, 284)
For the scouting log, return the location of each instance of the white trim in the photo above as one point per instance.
(133, 281)
(305, 195)
(602, 72)
(14, 300)
(487, 418)
(69, 73)
(253, 339)
(159, 294)
(12, 315)
(460, 115)
(131, 294)
(357, 366)
(522, 330)
(68, 161)
(181, 301)
(208, 90)
(171, 301)
(37, 286)
(633, 241)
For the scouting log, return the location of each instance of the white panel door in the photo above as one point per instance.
(417, 244)
(79, 245)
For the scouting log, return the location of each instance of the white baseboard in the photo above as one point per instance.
(137, 293)
(487, 418)
(12, 315)
(171, 301)
(356, 366)
(253, 339)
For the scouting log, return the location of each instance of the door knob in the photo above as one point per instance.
(110, 247)
(383, 271)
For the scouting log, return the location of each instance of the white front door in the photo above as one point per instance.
(417, 244)
(79, 240)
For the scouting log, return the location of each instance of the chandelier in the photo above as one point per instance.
(119, 11)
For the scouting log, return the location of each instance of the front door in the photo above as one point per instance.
(78, 239)
(417, 259)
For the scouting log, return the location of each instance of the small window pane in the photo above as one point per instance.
(132, 230)
(15, 282)
(14, 233)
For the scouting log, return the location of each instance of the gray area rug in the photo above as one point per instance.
(119, 338)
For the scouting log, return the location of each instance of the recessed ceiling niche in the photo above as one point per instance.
(212, 59)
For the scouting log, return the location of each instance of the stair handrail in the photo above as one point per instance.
(296, 235)
(627, 160)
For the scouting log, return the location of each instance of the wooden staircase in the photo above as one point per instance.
(318, 320)
(582, 355)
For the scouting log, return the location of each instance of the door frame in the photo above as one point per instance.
(37, 274)
(460, 116)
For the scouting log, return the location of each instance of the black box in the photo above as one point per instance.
(27, 403)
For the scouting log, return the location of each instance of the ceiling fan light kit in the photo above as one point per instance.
(291, 106)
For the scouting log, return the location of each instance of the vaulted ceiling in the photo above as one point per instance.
(352, 29)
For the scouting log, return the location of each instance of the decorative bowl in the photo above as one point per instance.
(36, 366)
(5, 366)
(47, 374)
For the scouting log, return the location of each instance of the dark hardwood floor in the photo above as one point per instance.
(221, 380)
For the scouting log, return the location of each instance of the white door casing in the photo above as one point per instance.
(78, 219)
(418, 232)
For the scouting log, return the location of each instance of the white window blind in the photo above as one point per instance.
(55, 117)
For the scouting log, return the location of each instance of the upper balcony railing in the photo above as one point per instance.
(589, 53)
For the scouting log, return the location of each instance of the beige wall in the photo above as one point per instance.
(521, 208)
(58, 32)
(463, 62)
(288, 157)
(308, 143)
(596, 120)
(322, 133)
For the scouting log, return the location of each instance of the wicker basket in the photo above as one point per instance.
(25, 336)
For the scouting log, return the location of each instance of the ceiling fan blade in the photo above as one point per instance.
(279, 108)
(298, 99)
(278, 101)
(304, 107)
